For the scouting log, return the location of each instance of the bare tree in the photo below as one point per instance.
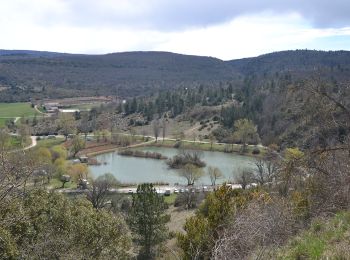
(254, 230)
(98, 193)
(77, 145)
(244, 178)
(191, 173)
(4, 139)
(212, 140)
(164, 128)
(265, 171)
(214, 174)
(84, 125)
(67, 124)
(156, 129)
(24, 133)
(16, 169)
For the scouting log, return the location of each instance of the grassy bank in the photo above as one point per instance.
(208, 147)
(326, 239)
(48, 143)
(15, 142)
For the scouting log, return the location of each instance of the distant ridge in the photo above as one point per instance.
(25, 74)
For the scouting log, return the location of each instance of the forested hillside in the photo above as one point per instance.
(124, 74)
(277, 91)
(28, 74)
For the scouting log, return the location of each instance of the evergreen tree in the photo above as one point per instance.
(147, 219)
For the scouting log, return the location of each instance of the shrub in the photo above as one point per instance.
(256, 150)
(180, 160)
(177, 144)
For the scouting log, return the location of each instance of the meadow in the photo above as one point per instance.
(16, 110)
(9, 111)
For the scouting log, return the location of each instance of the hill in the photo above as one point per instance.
(292, 61)
(27, 74)
(41, 74)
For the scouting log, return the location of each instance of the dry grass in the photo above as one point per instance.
(177, 221)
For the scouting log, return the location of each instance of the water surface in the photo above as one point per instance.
(137, 170)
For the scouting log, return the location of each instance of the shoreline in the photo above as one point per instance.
(160, 144)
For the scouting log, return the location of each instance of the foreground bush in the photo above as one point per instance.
(44, 225)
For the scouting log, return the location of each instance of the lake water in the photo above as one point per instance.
(137, 170)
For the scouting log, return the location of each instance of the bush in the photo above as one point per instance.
(177, 144)
(256, 150)
(216, 118)
(180, 160)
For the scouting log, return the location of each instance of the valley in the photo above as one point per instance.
(258, 146)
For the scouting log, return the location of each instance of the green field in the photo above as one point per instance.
(3, 121)
(16, 110)
(9, 111)
(84, 107)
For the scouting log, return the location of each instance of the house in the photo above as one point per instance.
(83, 159)
(51, 107)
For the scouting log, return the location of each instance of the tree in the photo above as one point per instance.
(24, 133)
(290, 172)
(77, 145)
(100, 187)
(78, 172)
(204, 227)
(44, 158)
(244, 178)
(66, 124)
(245, 131)
(53, 226)
(214, 174)
(265, 171)
(147, 219)
(132, 134)
(156, 129)
(64, 179)
(191, 173)
(164, 127)
(84, 125)
(211, 140)
(4, 139)
(35, 120)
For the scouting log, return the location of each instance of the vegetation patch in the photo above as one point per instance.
(147, 154)
(186, 157)
(324, 240)
(3, 121)
(16, 110)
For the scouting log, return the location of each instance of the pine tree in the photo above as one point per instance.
(147, 219)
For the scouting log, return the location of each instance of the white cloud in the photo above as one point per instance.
(35, 25)
(249, 36)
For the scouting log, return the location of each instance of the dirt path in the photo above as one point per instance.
(34, 143)
(37, 110)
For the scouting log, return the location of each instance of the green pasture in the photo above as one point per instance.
(12, 110)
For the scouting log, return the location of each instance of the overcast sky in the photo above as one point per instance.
(226, 29)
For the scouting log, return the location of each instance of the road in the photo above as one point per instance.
(33, 144)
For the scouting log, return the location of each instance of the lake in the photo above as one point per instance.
(138, 170)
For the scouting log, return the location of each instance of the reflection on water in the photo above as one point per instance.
(138, 170)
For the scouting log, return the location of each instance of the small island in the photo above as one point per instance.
(137, 153)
